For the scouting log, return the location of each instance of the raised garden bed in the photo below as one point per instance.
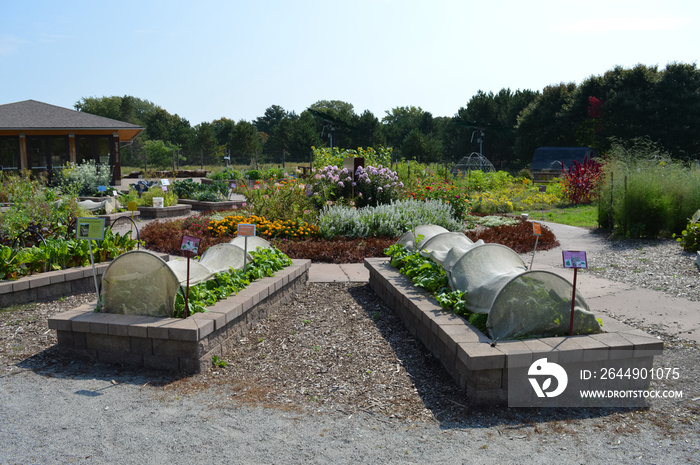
(164, 212)
(175, 344)
(52, 284)
(478, 365)
(199, 205)
(113, 216)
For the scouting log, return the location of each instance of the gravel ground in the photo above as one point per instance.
(660, 265)
(333, 375)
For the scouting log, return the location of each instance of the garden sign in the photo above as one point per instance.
(575, 260)
(90, 229)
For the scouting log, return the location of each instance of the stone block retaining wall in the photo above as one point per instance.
(477, 365)
(53, 284)
(175, 344)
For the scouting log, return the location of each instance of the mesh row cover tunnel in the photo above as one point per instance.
(538, 303)
(139, 283)
(518, 302)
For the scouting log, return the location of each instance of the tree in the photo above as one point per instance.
(540, 123)
(494, 115)
(400, 122)
(367, 131)
(160, 154)
(338, 121)
(245, 142)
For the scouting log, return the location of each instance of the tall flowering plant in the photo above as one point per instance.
(368, 186)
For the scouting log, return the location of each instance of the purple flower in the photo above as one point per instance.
(340, 184)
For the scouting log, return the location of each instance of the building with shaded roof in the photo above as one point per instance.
(39, 137)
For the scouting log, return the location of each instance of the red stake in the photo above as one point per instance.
(187, 291)
(573, 302)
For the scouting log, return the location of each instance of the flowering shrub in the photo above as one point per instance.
(371, 186)
(448, 193)
(325, 157)
(289, 229)
(581, 179)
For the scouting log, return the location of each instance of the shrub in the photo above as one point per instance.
(477, 180)
(253, 175)
(385, 220)
(323, 157)
(169, 197)
(689, 238)
(84, 178)
(188, 189)
(225, 174)
(285, 200)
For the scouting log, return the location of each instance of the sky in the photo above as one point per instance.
(208, 59)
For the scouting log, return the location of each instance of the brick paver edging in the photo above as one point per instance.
(477, 366)
(175, 344)
(201, 205)
(164, 212)
(52, 284)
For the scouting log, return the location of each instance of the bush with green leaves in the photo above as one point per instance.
(146, 199)
(188, 189)
(35, 206)
(84, 178)
(689, 238)
(227, 174)
(390, 220)
(162, 154)
(324, 156)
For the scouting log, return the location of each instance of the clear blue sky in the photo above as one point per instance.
(204, 59)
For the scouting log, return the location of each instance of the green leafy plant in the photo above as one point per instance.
(218, 362)
(85, 177)
(689, 238)
(432, 277)
(188, 189)
(266, 261)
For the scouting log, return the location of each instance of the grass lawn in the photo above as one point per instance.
(583, 216)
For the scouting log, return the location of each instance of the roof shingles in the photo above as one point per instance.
(30, 114)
